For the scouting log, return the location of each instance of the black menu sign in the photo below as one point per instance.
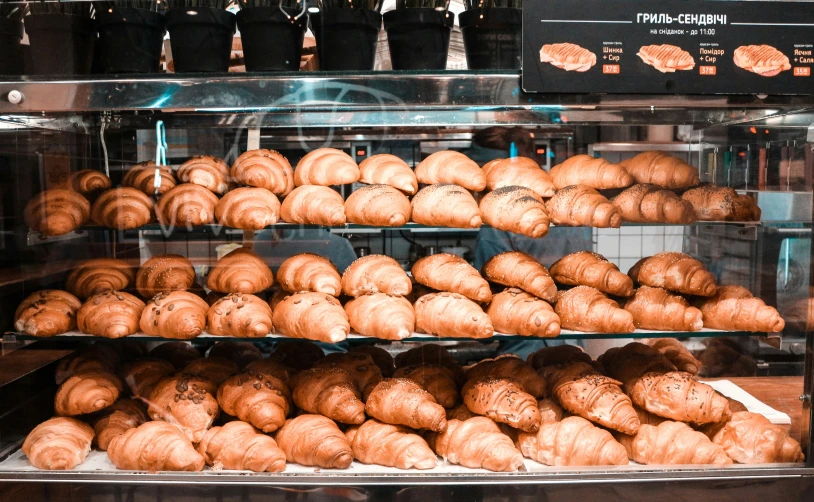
(668, 46)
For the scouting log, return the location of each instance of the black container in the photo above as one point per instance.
(493, 38)
(346, 38)
(271, 40)
(61, 44)
(201, 39)
(11, 55)
(130, 40)
(418, 38)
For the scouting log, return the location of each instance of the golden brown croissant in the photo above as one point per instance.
(677, 353)
(264, 169)
(179, 354)
(98, 275)
(585, 268)
(580, 205)
(241, 316)
(122, 208)
(661, 169)
(93, 357)
(447, 272)
(315, 440)
(380, 357)
(734, 308)
(375, 273)
(326, 167)
(261, 400)
(509, 366)
(451, 315)
(515, 312)
(359, 365)
(309, 272)
(713, 203)
(645, 203)
(435, 379)
(116, 419)
(677, 395)
(142, 177)
(314, 205)
(378, 206)
(477, 443)
(656, 308)
(583, 391)
(165, 272)
(558, 354)
(584, 308)
(237, 446)
(89, 182)
(297, 355)
(178, 314)
(503, 400)
(386, 169)
(634, 360)
(87, 392)
(215, 369)
(446, 205)
(518, 171)
(400, 401)
(207, 171)
(677, 272)
(112, 314)
(186, 205)
(154, 446)
(56, 212)
(390, 445)
(590, 171)
(331, 392)
(240, 271)
(573, 441)
(186, 401)
(519, 270)
(48, 312)
(142, 375)
(58, 444)
(451, 167)
(515, 209)
(381, 316)
(671, 443)
(750, 438)
(248, 209)
(238, 352)
(313, 316)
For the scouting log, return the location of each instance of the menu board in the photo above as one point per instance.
(668, 46)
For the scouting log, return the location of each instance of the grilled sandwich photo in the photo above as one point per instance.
(569, 57)
(666, 58)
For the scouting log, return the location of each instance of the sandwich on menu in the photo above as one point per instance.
(666, 58)
(569, 57)
(764, 60)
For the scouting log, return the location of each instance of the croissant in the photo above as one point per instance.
(112, 314)
(671, 443)
(142, 177)
(386, 169)
(315, 440)
(674, 272)
(179, 354)
(248, 209)
(115, 420)
(645, 203)
(271, 366)
(165, 272)
(503, 400)
(94, 357)
(591, 172)
(379, 356)
(87, 392)
(56, 212)
(58, 444)
(238, 352)
(88, 182)
(298, 355)
(515, 209)
(186, 401)
(446, 205)
(400, 401)
(142, 375)
(656, 308)
(360, 367)
(207, 171)
(237, 446)
(378, 206)
(390, 445)
(451, 167)
(734, 308)
(448, 272)
(750, 438)
(240, 271)
(584, 308)
(241, 316)
(48, 312)
(451, 315)
(381, 316)
(518, 171)
(309, 272)
(430, 353)
(375, 274)
(713, 203)
(326, 166)
(519, 270)
(435, 379)
(477, 443)
(515, 312)
(264, 169)
(186, 205)
(509, 366)
(591, 269)
(313, 316)
(215, 369)
(261, 400)
(678, 396)
(313, 205)
(184, 316)
(330, 392)
(98, 275)
(634, 360)
(122, 209)
(558, 354)
(154, 446)
(661, 169)
(573, 441)
(580, 205)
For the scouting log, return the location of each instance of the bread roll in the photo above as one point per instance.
(451, 167)
(142, 177)
(386, 169)
(240, 315)
(264, 169)
(326, 167)
(378, 206)
(48, 312)
(375, 274)
(309, 272)
(97, 275)
(165, 272)
(515, 209)
(248, 209)
(446, 205)
(313, 205)
(207, 171)
(122, 209)
(175, 314)
(112, 314)
(518, 171)
(187, 205)
(56, 212)
(240, 271)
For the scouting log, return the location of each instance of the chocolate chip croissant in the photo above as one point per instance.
(47, 313)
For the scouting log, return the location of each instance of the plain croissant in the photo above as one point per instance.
(186, 401)
(573, 441)
(401, 401)
(509, 366)
(518, 171)
(314, 205)
(515, 312)
(580, 205)
(261, 400)
(112, 314)
(515, 209)
(446, 205)
(326, 166)
(558, 354)
(390, 445)
(375, 273)
(448, 272)
(750, 438)
(87, 392)
(122, 209)
(154, 446)
(714, 203)
(477, 443)
(178, 314)
(264, 169)
(241, 316)
(585, 268)
(451, 315)
(451, 167)
(584, 308)
(240, 271)
(248, 209)
(661, 169)
(378, 206)
(435, 379)
(115, 420)
(331, 392)
(309, 272)
(237, 446)
(645, 203)
(358, 365)
(58, 444)
(671, 443)
(313, 316)
(519, 270)
(166, 272)
(186, 205)
(142, 375)
(56, 212)
(503, 400)
(88, 182)
(142, 177)
(97, 275)
(382, 316)
(734, 308)
(677, 272)
(678, 396)
(48, 312)
(386, 169)
(677, 353)
(207, 171)
(656, 308)
(316, 441)
(590, 171)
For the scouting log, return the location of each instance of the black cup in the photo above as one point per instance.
(201, 39)
(11, 55)
(493, 38)
(346, 38)
(272, 39)
(130, 40)
(61, 44)
(418, 38)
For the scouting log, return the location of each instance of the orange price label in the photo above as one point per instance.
(707, 70)
(611, 69)
(802, 71)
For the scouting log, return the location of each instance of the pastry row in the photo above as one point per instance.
(236, 410)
